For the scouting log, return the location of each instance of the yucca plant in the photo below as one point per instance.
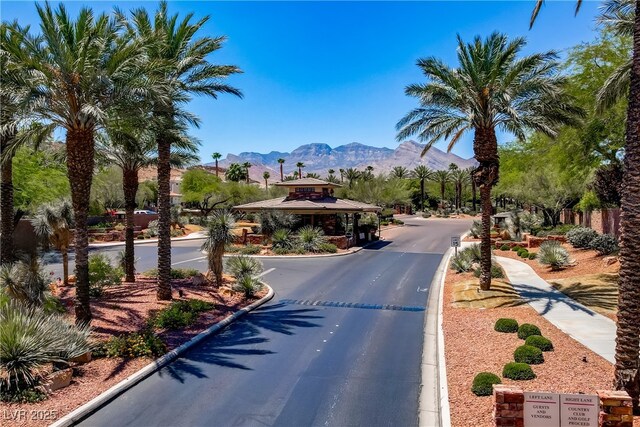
(461, 263)
(220, 231)
(24, 281)
(242, 265)
(249, 285)
(31, 339)
(552, 253)
(282, 239)
(311, 238)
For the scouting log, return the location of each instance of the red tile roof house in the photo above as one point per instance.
(314, 200)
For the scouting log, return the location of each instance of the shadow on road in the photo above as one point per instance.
(241, 339)
(379, 245)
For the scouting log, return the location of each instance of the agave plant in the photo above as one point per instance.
(311, 238)
(552, 253)
(30, 339)
(461, 263)
(249, 285)
(242, 265)
(281, 238)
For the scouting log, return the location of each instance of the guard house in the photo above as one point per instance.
(314, 200)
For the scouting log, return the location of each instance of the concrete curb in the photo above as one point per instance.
(96, 403)
(142, 242)
(434, 409)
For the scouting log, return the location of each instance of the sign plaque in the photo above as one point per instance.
(579, 410)
(541, 410)
(455, 241)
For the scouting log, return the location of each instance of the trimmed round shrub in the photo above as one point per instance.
(506, 325)
(518, 371)
(528, 354)
(523, 253)
(526, 330)
(504, 247)
(581, 237)
(604, 244)
(540, 342)
(532, 255)
(483, 383)
(516, 248)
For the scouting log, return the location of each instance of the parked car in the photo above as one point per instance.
(143, 212)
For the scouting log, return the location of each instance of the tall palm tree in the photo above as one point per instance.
(281, 161)
(216, 156)
(473, 187)
(235, 172)
(247, 166)
(220, 230)
(300, 165)
(341, 175)
(184, 71)
(422, 173)
(266, 175)
(352, 176)
(79, 70)
(459, 177)
(627, 368)
(54, 222)
(442, 177)
(400, 172)
(491, 89)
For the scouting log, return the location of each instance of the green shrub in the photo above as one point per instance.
(180, 313)
(523, 253)
(540, 342)
(249, 285)
(581, 237)
(281, 251)
(558, 230)
(516, 248)
(461, 263)
(483, 383)
(604, 244)
(496, 272)
(242, 265)
(504, 247)
(176, 273)
(135, 344)
(328, 248)
(552, 253)
(506, 325)
(102, 273)
(528, 354)
(140, 237)
(476, 229)
(250, 250)
(29, 395)
(533, 255)
(518, 371)
(527, 329)
(282, 239)
(473, 252)
(310, 238)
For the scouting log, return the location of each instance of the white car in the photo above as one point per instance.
(143, 212)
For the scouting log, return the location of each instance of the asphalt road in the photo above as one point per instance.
(339, 345)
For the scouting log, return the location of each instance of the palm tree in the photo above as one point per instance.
(422, 173)
(313, 175)
(300, 165)
(235, 172)
(352, 176)
(473, 187)
(491, 89)
(247, 166)
(184, 71)
(216, 156)
(341, 175)
(621, 14)
(266, 175)
(220, 234)
(442, 177)
(627, 368)
(400, 172)
(54, 222)
(78, 71)
(281, 161)
(459, 177)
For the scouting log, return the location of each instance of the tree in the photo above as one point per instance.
(421, 173)
(313, 175)
(79, 69)
(331, 177)
(246, 166)
(216, 156)
(627, 369)
(400, 172)
(442, 177)
(236, 173)
(459, 177)
(607, 183)
(491, 89)
(54, 222)
(341, 175)
(203, 190)
(281, 161)
(184, 70)
(38, 178)
(473, 188)
(220, 230)
(300, 165)
(266, 175)
(352, 176)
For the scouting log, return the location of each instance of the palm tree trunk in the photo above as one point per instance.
(6, 207)
(164, 219)
(216, 168)
(485, 148)
(442, 188)
(422, 195)
(216, 264)
(473, 193)
(300, 173)
(627, 368)
(130, 188)
(80, 163)
(281, 172)
(65, 265)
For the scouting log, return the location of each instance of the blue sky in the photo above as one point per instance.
(335, 72)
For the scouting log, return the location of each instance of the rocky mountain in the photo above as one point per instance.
(319, 158)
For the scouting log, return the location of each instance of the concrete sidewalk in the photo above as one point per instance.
(593, 330)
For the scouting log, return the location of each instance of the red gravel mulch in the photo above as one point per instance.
(123, 308)
(472, 346)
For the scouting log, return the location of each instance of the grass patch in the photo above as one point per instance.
(599, 292)
(467, 294)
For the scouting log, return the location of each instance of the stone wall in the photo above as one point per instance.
(616, 409)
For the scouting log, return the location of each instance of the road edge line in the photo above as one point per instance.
(102, 399)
